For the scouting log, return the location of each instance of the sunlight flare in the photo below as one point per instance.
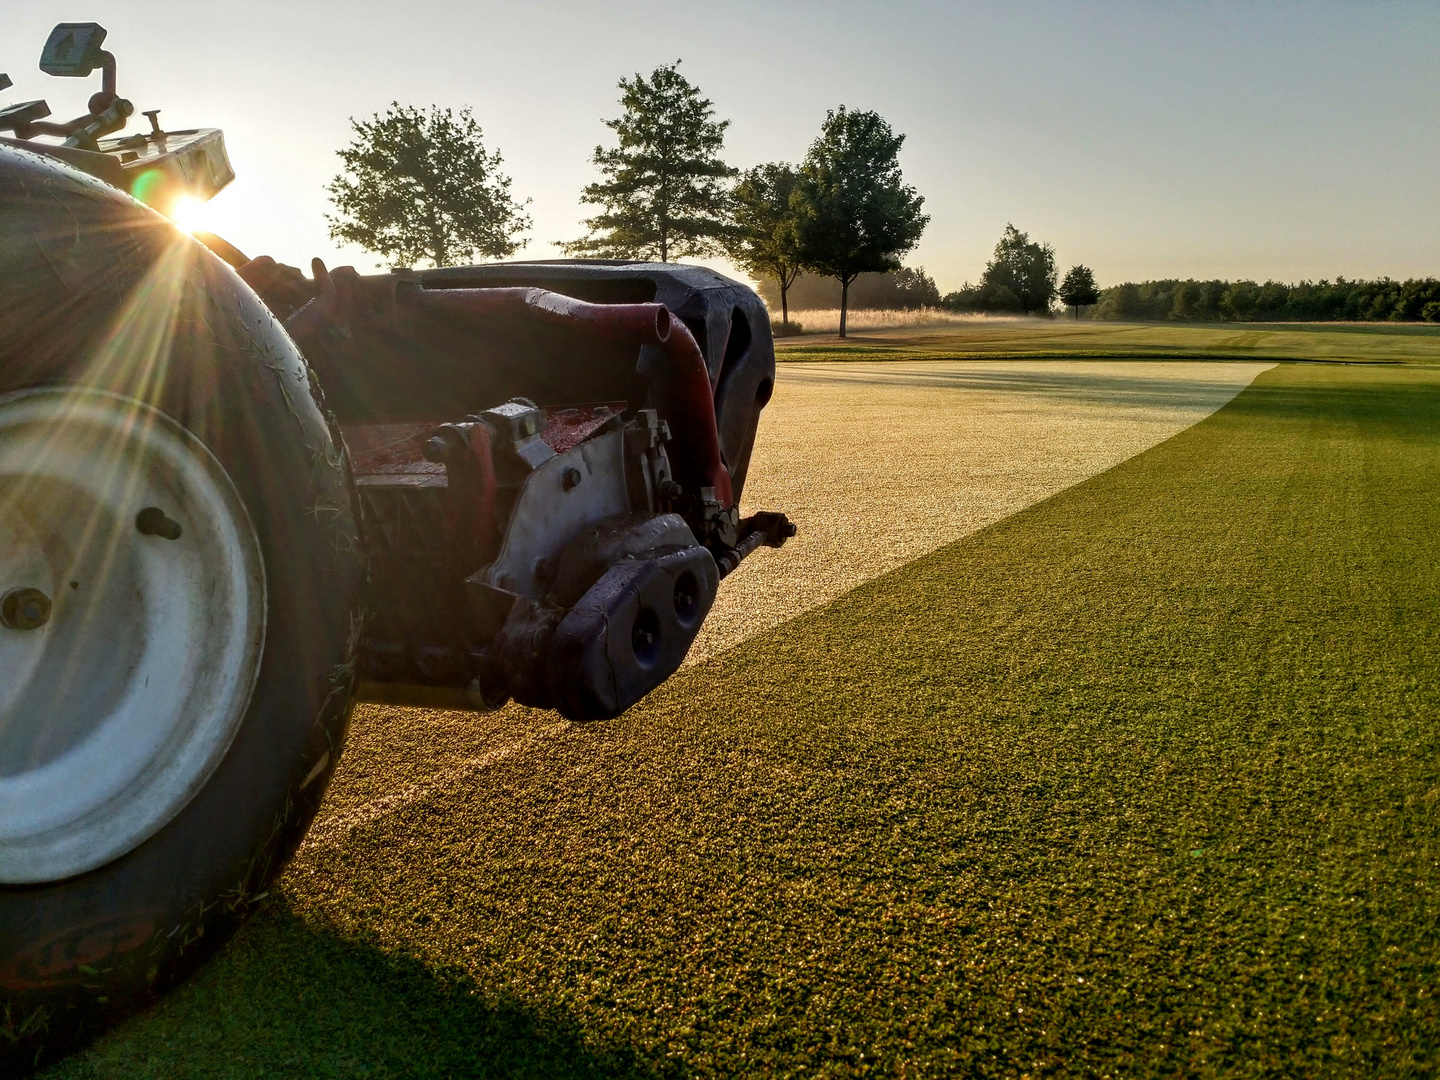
(190, 214)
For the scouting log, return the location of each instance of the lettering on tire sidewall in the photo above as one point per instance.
(61, 960)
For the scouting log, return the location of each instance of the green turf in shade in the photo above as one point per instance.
(1139, 782)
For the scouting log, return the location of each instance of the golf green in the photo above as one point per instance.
(1140, 781)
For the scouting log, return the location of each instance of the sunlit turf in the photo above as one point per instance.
(1142, 781)
(1062, 339)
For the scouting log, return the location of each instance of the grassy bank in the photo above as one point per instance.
(1140, 781)
(1060, 339)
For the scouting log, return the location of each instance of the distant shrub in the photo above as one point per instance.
(785, 329)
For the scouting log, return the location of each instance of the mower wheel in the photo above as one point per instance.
(180, 583)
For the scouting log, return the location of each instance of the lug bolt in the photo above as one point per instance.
(24, 609)
(570, 478)
(152, 521)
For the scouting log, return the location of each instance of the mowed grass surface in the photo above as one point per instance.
(932, 451)
(1061, 339)
(1141, 781)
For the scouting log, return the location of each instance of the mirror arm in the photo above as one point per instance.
(45, 127)
(107, 71)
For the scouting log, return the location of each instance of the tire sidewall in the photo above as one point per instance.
(88, 277)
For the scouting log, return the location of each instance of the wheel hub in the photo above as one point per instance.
(132, 622)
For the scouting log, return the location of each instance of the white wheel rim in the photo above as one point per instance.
(118, 709)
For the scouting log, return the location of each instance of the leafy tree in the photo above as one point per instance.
(915, 288)
(1021, 276)
(1079, 289)
(1240, 300)
(663, 195)
(765, 241)
(421, 186)
(854, 213)
(965, 298)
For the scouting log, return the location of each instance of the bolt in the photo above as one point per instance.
(152, 522)
(570, 478)
(24, 609)
(670, 489)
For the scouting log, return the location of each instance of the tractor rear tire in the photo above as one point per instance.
(180, 590)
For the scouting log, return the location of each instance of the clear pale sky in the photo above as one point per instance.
(1259, 140)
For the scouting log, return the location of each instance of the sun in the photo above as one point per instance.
(189, 213)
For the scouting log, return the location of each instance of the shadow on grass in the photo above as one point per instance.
(293, 998)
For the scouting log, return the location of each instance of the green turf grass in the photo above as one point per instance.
(1139, 782)
(1059, 339)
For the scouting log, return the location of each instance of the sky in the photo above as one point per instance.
(1234, 140)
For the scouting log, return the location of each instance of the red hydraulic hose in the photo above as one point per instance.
(681, 386)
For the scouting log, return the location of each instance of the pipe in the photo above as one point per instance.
(681, 386)
(682, 390)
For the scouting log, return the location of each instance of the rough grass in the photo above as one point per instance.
(972, 337)
(1141, 781)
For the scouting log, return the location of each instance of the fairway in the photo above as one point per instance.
(880, 463)
(1137, 781)
(1034, 339)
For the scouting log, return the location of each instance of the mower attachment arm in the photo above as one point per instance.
(397, 313)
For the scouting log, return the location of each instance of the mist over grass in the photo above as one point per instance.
(827, 320)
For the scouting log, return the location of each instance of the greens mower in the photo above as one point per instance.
(234, 500)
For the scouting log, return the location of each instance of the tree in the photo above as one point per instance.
(1021, 276)
(420, 186)
(663, 194)
(1079, 289)
(915, 288)
(895, 290)
(854, 214)
(765, 241)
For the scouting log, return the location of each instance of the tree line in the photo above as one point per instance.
(421, 186)
(1414, 300)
